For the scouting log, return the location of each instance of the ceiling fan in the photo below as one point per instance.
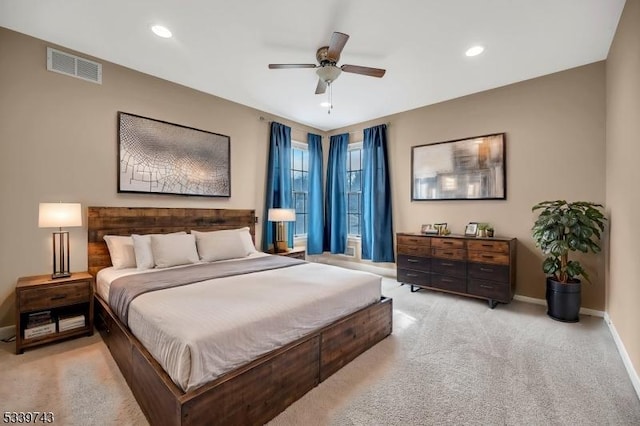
(327, 69)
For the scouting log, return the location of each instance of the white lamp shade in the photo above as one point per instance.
(282, 215)
(59, 215)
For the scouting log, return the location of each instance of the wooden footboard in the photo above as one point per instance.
(254, 393)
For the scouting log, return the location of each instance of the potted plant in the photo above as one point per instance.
(561, 228)
(482, 229)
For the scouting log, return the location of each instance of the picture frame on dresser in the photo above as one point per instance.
(428, 229)
(471, 230)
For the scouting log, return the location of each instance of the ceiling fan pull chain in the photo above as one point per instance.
(330, 98)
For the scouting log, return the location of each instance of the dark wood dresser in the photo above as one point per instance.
(484, 268)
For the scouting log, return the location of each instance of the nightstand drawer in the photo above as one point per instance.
(54, 296)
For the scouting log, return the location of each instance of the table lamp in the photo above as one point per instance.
(281, 216)
(59, 215)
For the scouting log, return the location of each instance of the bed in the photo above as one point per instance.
(255, 389)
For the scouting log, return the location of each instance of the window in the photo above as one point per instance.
(300, 186)
(354, 190)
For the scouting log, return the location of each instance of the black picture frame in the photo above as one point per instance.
(471, 230)
(158, 157)
(473, 168)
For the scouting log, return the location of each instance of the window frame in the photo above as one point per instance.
(354, 147)
(301, 146)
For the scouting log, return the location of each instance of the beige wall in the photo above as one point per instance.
(555, 131)
(58, 138)
(48, 118)
(623, 175)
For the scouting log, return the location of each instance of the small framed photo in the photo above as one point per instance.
(429, 229)
(471, 230)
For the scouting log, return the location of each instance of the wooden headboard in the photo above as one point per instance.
(151, 220)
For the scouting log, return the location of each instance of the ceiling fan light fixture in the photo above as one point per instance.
(325, 104)
(328, 73)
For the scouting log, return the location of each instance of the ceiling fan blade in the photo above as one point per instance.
(321, 87)
(284, 66)
(338, 40)
(371, 72)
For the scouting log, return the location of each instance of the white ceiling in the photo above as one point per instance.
(223, 47)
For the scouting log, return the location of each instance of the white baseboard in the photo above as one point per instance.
(8, 331)
(386, 272)
(583, 311)
(633, 374)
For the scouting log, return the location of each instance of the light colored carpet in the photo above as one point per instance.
(450, 360)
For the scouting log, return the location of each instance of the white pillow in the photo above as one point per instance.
(173, 250)
(142, 249)
(121, 251)
(222, 245)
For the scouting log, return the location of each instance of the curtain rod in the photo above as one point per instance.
(261, 118)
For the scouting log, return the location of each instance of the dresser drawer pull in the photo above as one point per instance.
(413, 240)
(413, 261)
(487, 245)
(486, 269)
(412, 275)
(447, 243)
(485, 256)
(446, 264)
(446, 280)
(448, 253)
(486, 286)
(59, 297)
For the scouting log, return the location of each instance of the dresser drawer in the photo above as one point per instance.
(447, 243)
(484, 271)
(413, 240)
(453, 254)
(414, 250)
(449, 283)
(410, 276)
(489, 257)
(489, 289)
(454, 268)
(414, 262)
(54, 296)
(488, 245)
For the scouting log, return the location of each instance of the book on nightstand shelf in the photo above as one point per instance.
(71, 322)
(39, 330)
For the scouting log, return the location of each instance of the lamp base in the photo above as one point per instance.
(58, 275)
(280, 247)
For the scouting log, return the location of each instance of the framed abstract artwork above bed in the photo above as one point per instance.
(165, 158)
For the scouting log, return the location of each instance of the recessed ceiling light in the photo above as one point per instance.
(474, 51)
(161, 31)
(325, 104)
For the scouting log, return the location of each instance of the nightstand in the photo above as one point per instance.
(296, 253)
(63, 300)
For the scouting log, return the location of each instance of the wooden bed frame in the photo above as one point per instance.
(252, 394)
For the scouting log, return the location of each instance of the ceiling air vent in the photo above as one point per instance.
(74, 66)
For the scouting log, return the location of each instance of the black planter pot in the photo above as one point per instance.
(563, 300)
